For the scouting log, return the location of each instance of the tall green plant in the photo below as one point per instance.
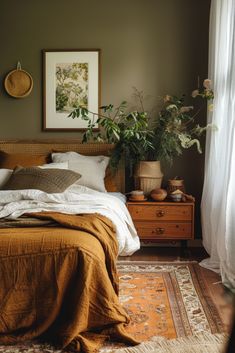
(172, 130)
(127, 130)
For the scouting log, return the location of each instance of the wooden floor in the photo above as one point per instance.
(220, 297)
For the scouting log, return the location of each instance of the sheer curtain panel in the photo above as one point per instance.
(218, 199)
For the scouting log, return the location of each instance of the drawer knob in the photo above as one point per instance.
(160, 230)
(160, 213)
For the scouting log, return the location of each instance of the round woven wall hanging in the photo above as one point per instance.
(18, 83)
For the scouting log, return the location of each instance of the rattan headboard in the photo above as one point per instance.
(44, 146)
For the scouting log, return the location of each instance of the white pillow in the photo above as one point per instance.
(67, 156)
(92, 173)
(64, 165)
(91, 168)
(4, 176)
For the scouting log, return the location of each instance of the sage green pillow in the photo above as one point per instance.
(48, 180)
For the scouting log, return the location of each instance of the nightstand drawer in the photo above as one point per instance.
(161, 212)
(161, 230)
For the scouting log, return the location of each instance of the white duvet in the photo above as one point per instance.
(76, 199)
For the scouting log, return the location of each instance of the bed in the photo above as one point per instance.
(58, 251)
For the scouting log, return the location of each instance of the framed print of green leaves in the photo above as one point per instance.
(71, 78)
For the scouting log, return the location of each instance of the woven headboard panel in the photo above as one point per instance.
(46, 146)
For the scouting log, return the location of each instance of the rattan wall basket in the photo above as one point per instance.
(18, 83)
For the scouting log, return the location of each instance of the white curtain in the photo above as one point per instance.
(218, 199)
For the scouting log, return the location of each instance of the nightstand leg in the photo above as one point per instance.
(184, 251)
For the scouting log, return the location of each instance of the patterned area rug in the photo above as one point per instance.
(170, 300)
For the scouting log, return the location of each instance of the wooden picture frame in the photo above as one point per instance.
(71, 77)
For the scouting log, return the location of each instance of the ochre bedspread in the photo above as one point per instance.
(60, 283)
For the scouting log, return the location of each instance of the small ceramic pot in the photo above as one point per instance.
(176, 197)
(175, 184)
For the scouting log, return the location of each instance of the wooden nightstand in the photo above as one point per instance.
(163, 220)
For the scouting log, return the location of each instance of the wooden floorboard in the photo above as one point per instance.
(220, 297)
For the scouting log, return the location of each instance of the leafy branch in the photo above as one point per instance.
(127, 130)
(172, 129)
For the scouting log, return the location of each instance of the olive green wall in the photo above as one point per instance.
(158, 46)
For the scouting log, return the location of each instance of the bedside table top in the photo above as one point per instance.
(159, 203)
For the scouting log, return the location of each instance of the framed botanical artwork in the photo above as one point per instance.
(71, 78)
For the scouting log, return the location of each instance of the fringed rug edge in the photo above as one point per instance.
(155, 262)
(204, 342)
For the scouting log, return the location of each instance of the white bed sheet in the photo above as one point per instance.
(76, 199)
(119, 195)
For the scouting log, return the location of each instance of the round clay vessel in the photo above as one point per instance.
(158, 194)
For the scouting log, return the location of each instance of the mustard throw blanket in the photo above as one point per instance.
(60, 283)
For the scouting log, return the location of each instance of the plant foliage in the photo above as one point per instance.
(127, 130)
(173, 130)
